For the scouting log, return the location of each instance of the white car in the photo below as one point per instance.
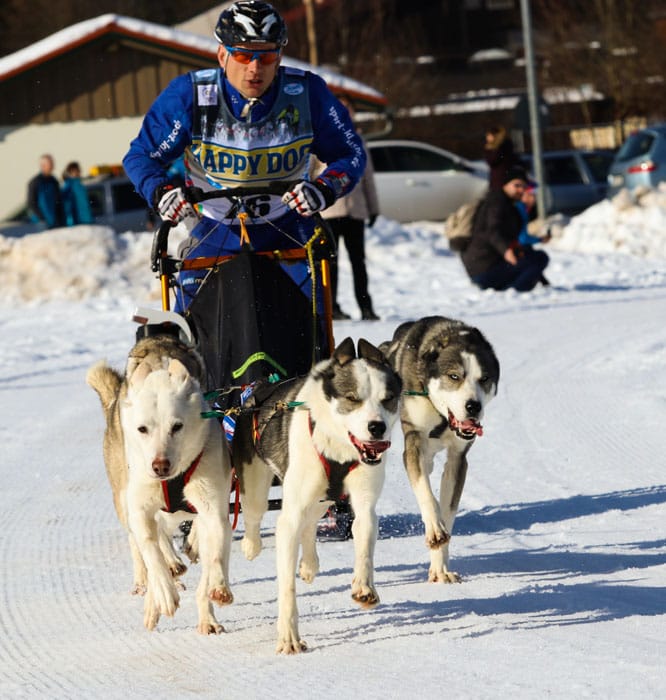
(416, 181)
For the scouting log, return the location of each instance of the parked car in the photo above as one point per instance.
(417, 181)
(113, 202)
(575, 179)
(641, 160)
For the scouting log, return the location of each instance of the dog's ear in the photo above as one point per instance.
(368, 351)
(430, 354)
(138, 374)
(178, 371)
(345, 352)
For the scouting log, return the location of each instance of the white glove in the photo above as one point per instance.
(174, 207)
(307, 198)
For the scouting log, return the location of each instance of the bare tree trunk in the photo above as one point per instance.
(311, 31)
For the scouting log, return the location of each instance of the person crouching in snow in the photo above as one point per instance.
(495, 258)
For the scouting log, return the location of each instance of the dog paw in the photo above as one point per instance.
(365, 595)
(366, 600)
(436, 537)
(138, 589)
(250, 548)
(221, 595)
(177, 568)
(290, 645)
(443, 576)
(191, 549)
(308, 570)
(164, 596)
(210, 627)
(151, 613)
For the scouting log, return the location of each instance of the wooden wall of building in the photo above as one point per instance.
(105, 79)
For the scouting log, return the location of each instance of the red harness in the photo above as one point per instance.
(173, 489)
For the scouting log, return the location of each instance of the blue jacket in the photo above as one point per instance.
(169, 128)
(75, 202)
(525, 237)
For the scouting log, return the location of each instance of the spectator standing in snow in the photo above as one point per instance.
(494, 258)
(44, 201)
(75, 197)
(347, 218)
(499, 154)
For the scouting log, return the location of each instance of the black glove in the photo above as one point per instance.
(307, 198)
(371, 220)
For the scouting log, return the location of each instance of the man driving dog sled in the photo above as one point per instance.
(248, 122)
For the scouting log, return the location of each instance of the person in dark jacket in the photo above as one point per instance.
(500, 156)
(494, 258)
(75, 197)
(44, 201)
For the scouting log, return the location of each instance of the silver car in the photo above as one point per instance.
(416, 181)
(641, 160)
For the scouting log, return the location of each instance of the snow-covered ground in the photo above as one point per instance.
(561, 538)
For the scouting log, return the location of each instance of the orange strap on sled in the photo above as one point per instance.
(205, 263)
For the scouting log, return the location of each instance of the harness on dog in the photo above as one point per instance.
(335, 471)
(173, 490)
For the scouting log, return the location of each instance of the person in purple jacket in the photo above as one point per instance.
(249, 121)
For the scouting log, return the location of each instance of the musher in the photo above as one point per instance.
(249, 121)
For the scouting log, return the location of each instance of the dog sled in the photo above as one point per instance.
(249, 319)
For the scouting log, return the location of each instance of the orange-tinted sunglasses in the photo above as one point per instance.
(246, 56)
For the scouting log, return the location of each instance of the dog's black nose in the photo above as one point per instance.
(161, 467)
(473, 408)
(377, 428)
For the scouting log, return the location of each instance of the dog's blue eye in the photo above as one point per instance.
(454, 377)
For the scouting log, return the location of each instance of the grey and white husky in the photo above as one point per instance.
(323, 434)
(450, 372)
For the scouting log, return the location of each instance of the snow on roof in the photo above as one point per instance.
(87, 30)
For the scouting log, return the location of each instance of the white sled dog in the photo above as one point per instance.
(450, 373)
(162, 457)
(323, 434)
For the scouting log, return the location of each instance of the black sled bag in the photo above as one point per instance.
(251, 322)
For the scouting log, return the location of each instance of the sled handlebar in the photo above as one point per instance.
(194, 195)
(277, 187)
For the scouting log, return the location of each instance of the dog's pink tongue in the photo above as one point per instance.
(374, 449)
(467, 426)
(370, 450)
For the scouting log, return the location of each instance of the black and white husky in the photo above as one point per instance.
(323, 434)
(449, 372)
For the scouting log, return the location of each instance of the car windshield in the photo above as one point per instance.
(635, 146)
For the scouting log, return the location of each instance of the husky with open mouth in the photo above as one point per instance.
(324, 434)
(450, 372)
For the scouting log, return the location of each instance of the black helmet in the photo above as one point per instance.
(249, 21)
